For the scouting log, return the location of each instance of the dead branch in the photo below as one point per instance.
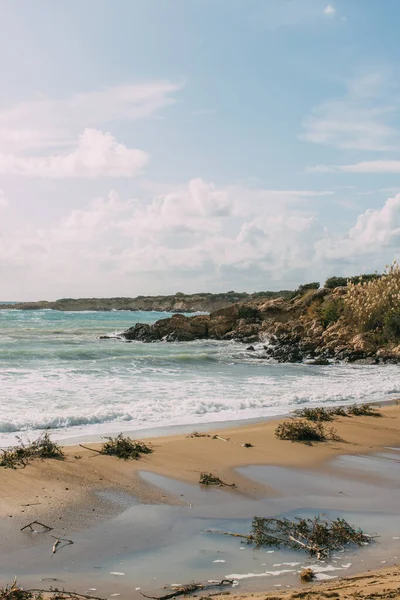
(58, 542)
(91, 449)
(190, 588)
(45, 527)
(238, 535)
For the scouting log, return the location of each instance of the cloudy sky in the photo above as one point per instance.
(156, 146)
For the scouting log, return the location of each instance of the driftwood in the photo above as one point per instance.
(318, 536)
(14, 592)
(29, 526)
(91, 449)
(190, 588)
(62, 542)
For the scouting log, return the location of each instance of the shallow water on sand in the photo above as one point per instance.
(149, 546)
(55, 372)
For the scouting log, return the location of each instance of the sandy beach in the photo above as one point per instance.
(50, 487)
(80, 493)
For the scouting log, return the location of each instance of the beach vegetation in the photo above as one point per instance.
(248, 312)
(373, 305)
(20, 455)
(305, 287)
(124, 447)
(331, 311)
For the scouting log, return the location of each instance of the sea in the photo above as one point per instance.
(56, 372)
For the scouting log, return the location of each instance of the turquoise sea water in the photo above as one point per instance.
(56, 372)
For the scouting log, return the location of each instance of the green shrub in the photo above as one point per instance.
(391, 324)
(314, 285)
(248, 312)
(331, 311)
(333, 282)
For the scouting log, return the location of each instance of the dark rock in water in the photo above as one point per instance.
(319, 361)
(177, 328)
(110, 337)
(250, 349)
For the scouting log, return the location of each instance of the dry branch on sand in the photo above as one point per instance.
(122, 447)
(190, 588)
(318, 536)
(26, 451)
(15, 592)
(210, 479)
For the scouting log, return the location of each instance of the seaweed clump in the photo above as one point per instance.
(210, 479)
(301, 431)
(124, 447)
(22, 454)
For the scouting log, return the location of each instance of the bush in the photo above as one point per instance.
(124, 447)
(333, 282)
(331, 311)
(301, 431)
(314, 285)
(391, 324)
(248, 312)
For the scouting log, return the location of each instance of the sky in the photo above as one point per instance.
(163, 146)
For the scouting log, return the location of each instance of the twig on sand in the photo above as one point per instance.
(190, 588)
(238, 535)
(45, 527)
(60, 541)
(92, 449)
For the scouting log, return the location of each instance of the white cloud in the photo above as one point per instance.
(361, 119)
(376, 235)
(48, 122)
(97, 154)
(329, 10)
(371, 166)
(194, 236)
(3, 199)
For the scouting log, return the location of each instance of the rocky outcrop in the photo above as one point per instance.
(178, 303)
(282, 330)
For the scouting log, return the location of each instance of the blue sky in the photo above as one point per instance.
(151, 146)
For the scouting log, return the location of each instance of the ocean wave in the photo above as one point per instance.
(62, 422)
